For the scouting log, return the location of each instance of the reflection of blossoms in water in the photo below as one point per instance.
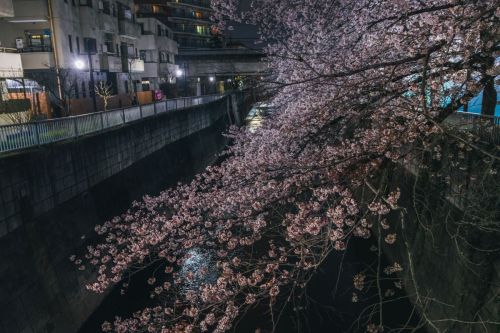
(197, 269)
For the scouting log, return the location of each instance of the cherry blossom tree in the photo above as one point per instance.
(356, 85)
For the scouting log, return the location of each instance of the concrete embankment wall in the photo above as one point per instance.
(453, 281)
(50, 198)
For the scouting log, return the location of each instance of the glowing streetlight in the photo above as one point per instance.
(179, 72)
(211, 79)
(79, 64)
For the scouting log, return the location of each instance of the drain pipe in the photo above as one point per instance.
(55, 49)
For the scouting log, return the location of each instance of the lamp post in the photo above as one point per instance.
(211, 79)
(91, 70)
(179, 73)
(80, 65)
(183, 71)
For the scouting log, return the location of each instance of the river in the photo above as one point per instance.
(328, 307)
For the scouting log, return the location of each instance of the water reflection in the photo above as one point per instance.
(257, 114)
(198, 269)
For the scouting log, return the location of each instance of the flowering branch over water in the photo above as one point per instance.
(356, 85)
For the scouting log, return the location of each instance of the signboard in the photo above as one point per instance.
(19, 43)
(158, 95)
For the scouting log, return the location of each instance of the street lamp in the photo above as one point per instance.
(80, 65)
(183, 71)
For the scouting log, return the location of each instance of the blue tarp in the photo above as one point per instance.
(476, 102)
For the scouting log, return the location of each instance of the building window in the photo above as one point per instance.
(87, 3)
(77, 94)
(126, 87)
(106, 7)
(70, 41)
(38, 41)
(90, 45)
(163, 56)
(84, 90)
(108, 43)
(78, 45)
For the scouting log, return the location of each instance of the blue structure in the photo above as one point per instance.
(476, 102)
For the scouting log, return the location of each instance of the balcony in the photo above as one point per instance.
(167, 69)
(111, 63)
(29, 11)
(107, 23)
(154, 42)
(147, 42)
(6, 9)
(129, 29)
(136, 65)
(195, 30)
(11, 65)
(197, 4)
(37, 60)
(150, 69)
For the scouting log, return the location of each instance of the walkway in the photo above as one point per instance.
(21, 136)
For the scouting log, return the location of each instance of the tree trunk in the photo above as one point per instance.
(489, 98)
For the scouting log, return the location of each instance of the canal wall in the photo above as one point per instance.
(451, 267)
(52, 197)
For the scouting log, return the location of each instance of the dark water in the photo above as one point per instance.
(326, 307)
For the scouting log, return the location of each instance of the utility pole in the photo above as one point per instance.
(55, 50)
(91, 72)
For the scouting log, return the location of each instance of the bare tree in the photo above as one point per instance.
(61, 86)
(105, 91)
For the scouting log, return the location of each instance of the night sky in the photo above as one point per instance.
(244, 32)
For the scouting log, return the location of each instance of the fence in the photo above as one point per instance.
(486, 127)
(20, 136)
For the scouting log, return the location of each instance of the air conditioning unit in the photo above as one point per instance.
(104, 48)
(100, 5)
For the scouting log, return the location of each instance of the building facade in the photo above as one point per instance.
(208, 64)
(70, 46)
(158, 51)
(189, 20)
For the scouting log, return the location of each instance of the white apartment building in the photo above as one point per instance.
(70, 37)
(158, 51)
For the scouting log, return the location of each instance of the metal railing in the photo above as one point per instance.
(21, 136)
(485, 126)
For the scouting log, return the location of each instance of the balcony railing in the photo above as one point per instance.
(129, 29)
(28, 135)
(11, 65)
(202, 4)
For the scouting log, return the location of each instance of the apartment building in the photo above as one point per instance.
(158, 51)
(68, 46)
(188, 19)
